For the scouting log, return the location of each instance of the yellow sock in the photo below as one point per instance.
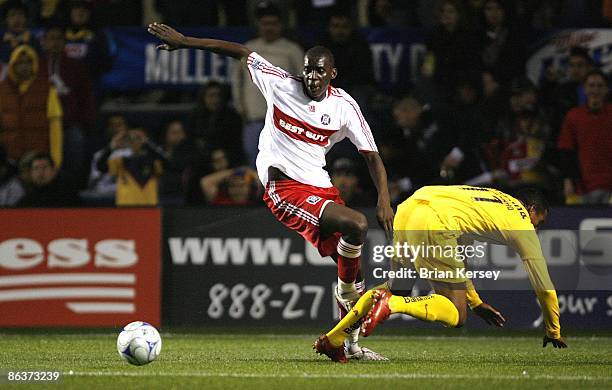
(430, 308)
(350, 321)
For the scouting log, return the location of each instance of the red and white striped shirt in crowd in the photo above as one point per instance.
(299, 131)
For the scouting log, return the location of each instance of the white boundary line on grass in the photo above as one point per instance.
(339, 376)
(172, 335)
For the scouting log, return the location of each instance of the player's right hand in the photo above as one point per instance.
(557, 343)
(385, 215)
(490, 314)
(172, 39)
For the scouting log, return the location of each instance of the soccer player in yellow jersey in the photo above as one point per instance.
(449, 215)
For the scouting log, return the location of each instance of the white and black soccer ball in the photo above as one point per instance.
(139, 343)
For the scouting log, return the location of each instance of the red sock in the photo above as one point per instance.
(349, 256)
(348, 268)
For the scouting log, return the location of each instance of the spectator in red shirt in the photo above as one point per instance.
(586, 141)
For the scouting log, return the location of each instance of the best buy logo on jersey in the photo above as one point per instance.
(290, 127)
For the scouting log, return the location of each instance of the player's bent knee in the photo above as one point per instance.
(361, 224)
(355, 227)
(358, 228)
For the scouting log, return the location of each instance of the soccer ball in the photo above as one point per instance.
(139, 343)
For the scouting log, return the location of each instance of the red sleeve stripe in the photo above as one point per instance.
(273, 70)
(272, 73)
(364, 129)
(249, 61)
(265, 68)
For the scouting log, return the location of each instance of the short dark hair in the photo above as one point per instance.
(55, 26)
(267, 9)
(341, 13)
(218, 85)
(41, 156)
(118, 115)
(597, 72)
(533, 197)
(458, 4)
(321, 51)
(225, 94)
(15, 5)
(579, 51)
(174, 120)
(81, 3)
(505, 5)
(522, 85)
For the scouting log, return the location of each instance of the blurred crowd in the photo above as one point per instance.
(470, 117)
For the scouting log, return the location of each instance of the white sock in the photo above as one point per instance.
(344, 287)
(351, 341)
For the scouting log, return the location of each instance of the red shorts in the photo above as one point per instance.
(299, 207)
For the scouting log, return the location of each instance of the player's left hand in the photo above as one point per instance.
(488, 313)
(557, 343)
(172, 39)
(384, 215)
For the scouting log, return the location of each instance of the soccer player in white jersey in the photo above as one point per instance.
(306, 116)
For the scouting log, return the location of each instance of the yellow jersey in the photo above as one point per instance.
(138, 186)
(490, 215)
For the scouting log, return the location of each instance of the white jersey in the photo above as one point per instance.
(299, 131)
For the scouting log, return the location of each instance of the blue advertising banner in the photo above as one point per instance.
(139, 65)
(396, 55)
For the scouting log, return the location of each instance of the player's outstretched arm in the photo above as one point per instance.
(173, 40)
(527, 244)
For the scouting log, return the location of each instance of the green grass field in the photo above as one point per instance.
(423, 360)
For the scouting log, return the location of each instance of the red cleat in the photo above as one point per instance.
(378, 313)
(324, 347)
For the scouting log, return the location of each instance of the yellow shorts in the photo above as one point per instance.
(432, 240)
